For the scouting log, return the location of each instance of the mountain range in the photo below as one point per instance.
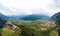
(35, 17)
(3, 17)
(56, 16)
(25, 17)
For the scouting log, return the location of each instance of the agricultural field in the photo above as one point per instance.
(30, 28)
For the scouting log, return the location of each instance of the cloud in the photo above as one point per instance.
(27, 4)
(26, 7)
(4, 10)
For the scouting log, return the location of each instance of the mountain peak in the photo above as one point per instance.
(34, 17)
(56, 16)
(3, 16)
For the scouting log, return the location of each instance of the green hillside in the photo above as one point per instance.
(30, 28)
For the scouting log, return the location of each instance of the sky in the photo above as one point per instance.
(28, 7)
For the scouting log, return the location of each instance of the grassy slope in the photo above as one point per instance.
(30, 29)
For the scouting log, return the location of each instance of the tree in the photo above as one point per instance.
(2, 22)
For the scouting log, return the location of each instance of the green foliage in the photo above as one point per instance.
(34, 29)
(7, 33)
(30, 28)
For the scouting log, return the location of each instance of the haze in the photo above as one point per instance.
(28, 7)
